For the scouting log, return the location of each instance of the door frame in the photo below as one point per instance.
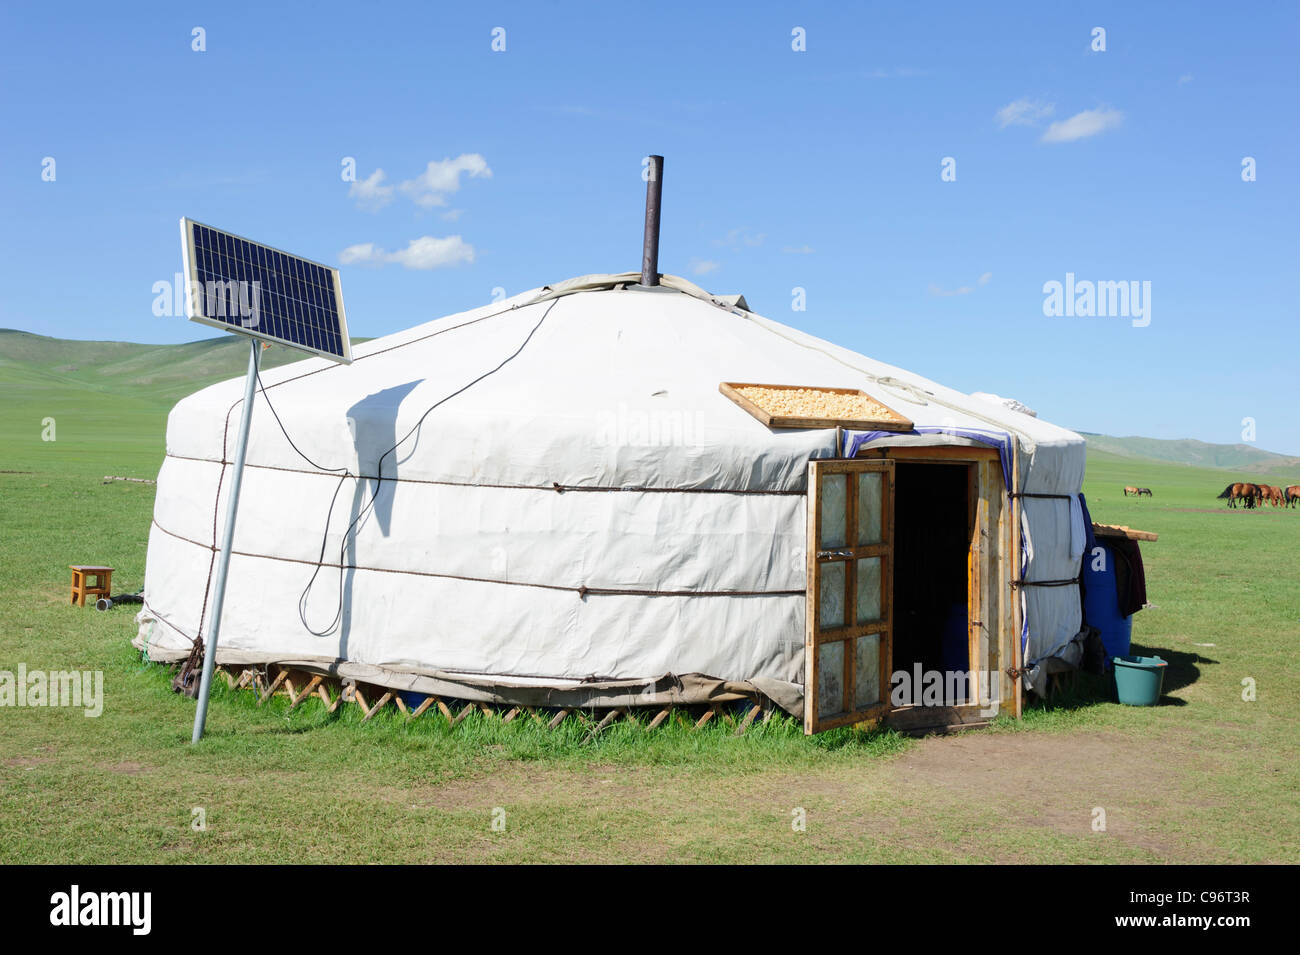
(994, 614)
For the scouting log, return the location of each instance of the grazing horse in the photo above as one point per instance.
(1130, 489)
(1292, 493)
(1240, 492)
(1144, 490)
(1267, 492)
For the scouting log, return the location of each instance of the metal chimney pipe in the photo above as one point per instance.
(654, 190)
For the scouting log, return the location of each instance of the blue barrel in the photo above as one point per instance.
(412, 700)
(1101, 605)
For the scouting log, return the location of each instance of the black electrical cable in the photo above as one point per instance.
(344, 474)
(284, 431)
(379, 481)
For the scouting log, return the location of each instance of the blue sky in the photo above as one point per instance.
(818, 169)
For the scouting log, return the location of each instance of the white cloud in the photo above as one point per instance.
(703, 266)
(1082, 125)
(371, 192)
(738, 237)
(440, 179)
(945, 293)
(1024, 112)
(962, 290)
(451, 215)
(1184, 79)
(358, 254)
(426, 252)
(798, 250)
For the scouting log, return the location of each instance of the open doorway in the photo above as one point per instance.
(933, 524)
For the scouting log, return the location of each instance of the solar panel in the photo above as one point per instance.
(252, 289)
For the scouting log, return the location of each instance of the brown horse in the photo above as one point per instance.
(1130, 489)
(1292, 492)
(1241, 492)
(1273, 495)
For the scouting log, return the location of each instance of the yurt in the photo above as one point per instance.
(621, 491)
(595, 494)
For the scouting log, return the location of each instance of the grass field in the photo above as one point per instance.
(1205, 777)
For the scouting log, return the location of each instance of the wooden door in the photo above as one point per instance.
(848, 646)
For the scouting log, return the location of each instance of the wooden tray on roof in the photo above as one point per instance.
(1122, 530)
(813, 406)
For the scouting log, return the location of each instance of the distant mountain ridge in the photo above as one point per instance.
(1245, 458)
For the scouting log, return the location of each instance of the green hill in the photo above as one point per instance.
(166, 372)
(105, 394)
(1232, 457)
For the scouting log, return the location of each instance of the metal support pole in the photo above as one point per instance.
(654, 189)
(223, 562)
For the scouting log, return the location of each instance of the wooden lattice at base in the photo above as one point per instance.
(300, 685)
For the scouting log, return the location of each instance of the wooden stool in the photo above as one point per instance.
(81, 586)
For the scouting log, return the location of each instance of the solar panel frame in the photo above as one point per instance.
(300, 284)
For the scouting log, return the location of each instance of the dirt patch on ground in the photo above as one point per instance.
(985, 796)
(26, 762)
(514, 784)
(1067, 784)
(1009, 764)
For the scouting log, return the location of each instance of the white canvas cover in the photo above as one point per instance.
(576, 514)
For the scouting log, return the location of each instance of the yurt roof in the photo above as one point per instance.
(595, 381)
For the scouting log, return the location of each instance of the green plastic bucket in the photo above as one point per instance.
(1138, 680)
